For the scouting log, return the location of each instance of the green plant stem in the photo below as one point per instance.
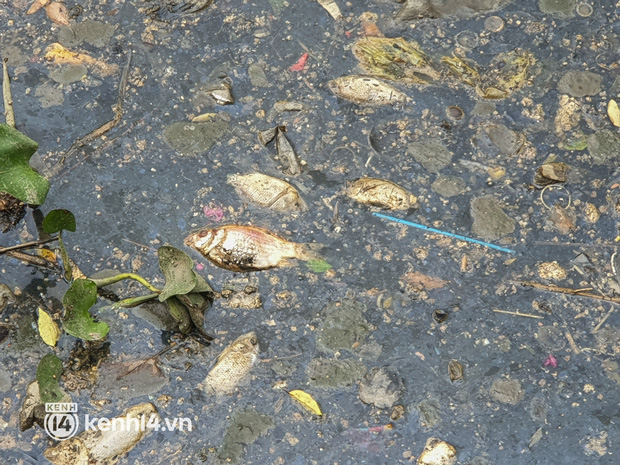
(134, 301)
(101, 282)
(8, 98)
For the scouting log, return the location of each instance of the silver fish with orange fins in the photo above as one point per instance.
(248, 248)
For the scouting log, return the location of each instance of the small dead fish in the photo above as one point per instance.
(286, 154)
(267, 191)
(365, 90)
(233, 364)
(248, 248)
(381, 193)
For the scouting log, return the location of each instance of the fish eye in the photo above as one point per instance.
(203, 233)
(253, 341)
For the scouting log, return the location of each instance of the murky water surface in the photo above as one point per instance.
(143, 185)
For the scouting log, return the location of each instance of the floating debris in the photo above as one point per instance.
(301, 63)
(167, 9)
(437, 452)
(490, 220)
(337, 373)
(494, 24)
(343, 326)
(244, 429)
(507, 73)
(455, 113)
(614, 113)
(381, 193)
(551, 173)
(307, 401)
(267, 191)
(507, 391)
(432, 154)
(248, 248)
(194, 138)
(580, 83)
(395, 59)
(551, 270)
(332, 8)
(551, 362)
(381, 387)
(465, 70)
(286, 153)
(220, 92)
(365, 90)
(438, 231)
(105, 446)
(233, 365)
(455, 370)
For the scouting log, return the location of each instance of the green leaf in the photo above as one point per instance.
(176, 266)
(318, 266)
(58, 220)
(16, 176)
(48, 375)
(181, 315)
(201, 285)
(78, 321)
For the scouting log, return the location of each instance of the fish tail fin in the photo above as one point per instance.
(308, 251)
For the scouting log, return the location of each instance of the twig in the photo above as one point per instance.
(528, 315)
(602, 322)
(566, 290)
(445, 233)
(25, 245)
(275, 359)
(140, 245)
(142, 362)
(31, 260)
(575, 244)
(571, 342)
(101, 130)
(6, 93)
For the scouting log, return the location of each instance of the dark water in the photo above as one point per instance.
(135, 187)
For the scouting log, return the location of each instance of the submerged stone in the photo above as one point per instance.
(449, 186)
(327, 373)
(563, 9)
(246, 427)
(507, 391)
(580, 83)
(95, 33)
(343, 326)
(194, 138)
(603, 145)
(432, 154)
(490, 221)
(68, 74)
(381, 387)
(258, 78)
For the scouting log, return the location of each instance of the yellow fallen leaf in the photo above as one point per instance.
(60, 55)
(36, 6)
(307, 401)
(614, 113)
(48, 329)
(47, 254)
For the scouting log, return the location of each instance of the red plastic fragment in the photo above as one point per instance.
(551, 361)
(301, 64)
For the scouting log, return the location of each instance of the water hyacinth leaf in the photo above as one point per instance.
(307, 401)
(181, 315)
(59, 220)
(176, 266)
(78, 321)
(48, 329)
(318, 266)
(16, 176)
(201, 285)
(197, 305)
(48, 375)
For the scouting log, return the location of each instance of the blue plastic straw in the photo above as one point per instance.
(456, 236)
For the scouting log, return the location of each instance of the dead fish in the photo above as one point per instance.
(233, 364)
(267, 191)
(365, 90)
(381, 193)
(248, 248)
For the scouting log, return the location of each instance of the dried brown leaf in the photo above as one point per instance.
(57, 12)
(36, 6)
(419, 281)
